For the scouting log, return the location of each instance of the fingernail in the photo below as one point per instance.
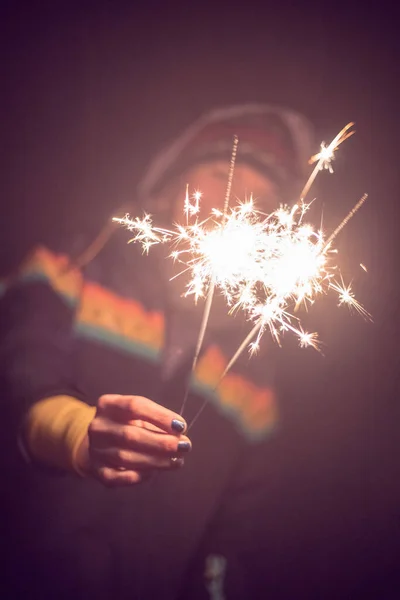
(184, 447)
(177, 462)
(178, 426)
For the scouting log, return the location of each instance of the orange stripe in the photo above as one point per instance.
(254, 406)
(120, 316)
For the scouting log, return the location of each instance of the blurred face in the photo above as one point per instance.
(211, 180)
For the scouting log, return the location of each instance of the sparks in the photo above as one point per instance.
(346, 297)
(326, 154)
(144, 231)
(308, 340)
(192, 203)
(265, 266)
(325, 157)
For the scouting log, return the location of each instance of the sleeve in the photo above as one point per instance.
(37, 313)
(54, 429)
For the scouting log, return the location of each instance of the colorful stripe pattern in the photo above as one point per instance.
(119, 322)
(127, 326)
(252, 408)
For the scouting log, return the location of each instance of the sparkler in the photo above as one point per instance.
(264, 265)
(325, 156)
(211, 290)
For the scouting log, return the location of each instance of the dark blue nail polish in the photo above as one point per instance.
(184, 447)
(177, 462)
(178, 426)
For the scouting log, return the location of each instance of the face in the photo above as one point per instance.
(211, 180)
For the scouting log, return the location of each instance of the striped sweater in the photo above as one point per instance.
(74, 334)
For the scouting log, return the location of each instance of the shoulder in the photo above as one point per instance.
(42, 264)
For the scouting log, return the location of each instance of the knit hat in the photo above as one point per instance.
(275, 141)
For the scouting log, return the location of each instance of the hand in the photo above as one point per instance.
(129, 438)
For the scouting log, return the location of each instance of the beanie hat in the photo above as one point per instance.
(277, 142)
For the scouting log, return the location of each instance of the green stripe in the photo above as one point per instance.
(117, 341)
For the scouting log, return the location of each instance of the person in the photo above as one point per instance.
(95, 353)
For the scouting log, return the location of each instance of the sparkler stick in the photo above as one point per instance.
(200, 339)
(211, 289)
(256, 329)
(230, 176)
(325, 156)
(346, 220)
(234, 358)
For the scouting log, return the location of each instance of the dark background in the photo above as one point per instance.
(90, 93)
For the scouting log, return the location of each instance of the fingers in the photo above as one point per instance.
(121, 459)
(104, 433)
(127, 408)
(131, 437)
(112, 476)
(115, 478)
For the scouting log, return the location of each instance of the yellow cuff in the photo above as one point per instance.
(55, 428)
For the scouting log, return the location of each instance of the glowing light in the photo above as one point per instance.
(346, 296)
(308, 339)
(144, 231)
(192, 203)
(325, 157)
(326, 154)
(264, 265)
